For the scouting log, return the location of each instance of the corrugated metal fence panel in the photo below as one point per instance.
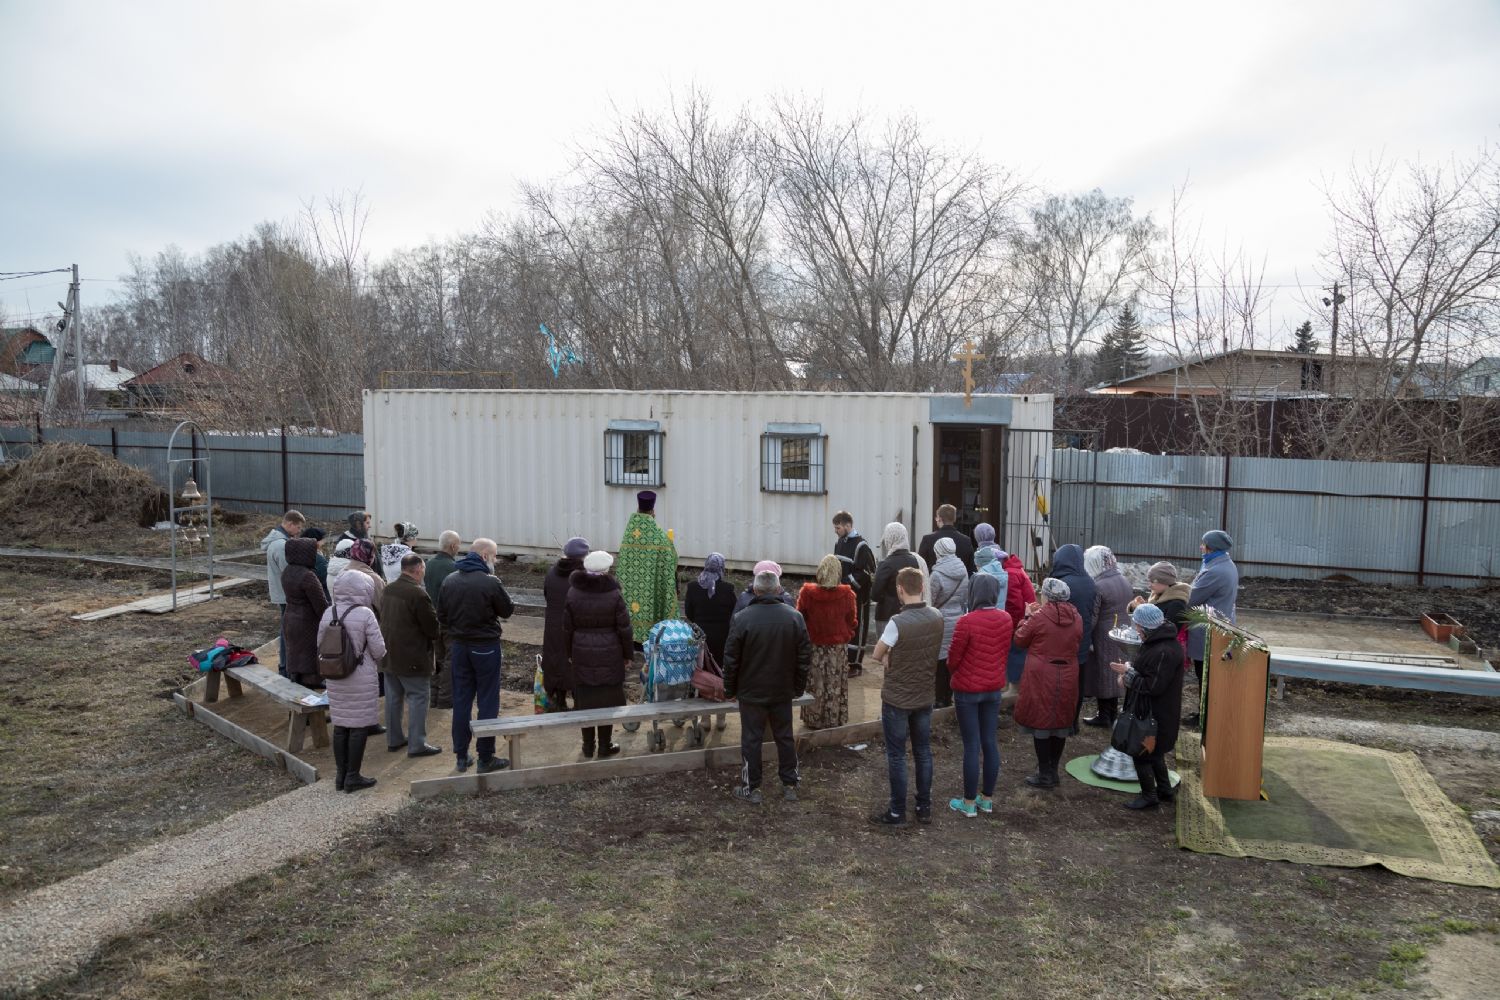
(1462, 536)
(246, 472)
(327, 475)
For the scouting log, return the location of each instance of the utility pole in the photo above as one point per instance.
(1336, 301)
(69, 322)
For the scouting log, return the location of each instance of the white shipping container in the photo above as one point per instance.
(752, 475)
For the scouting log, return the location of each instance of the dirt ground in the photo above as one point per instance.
(94, 760)
(669, 887)
(1478, 609)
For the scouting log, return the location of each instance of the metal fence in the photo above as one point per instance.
(1433, 525)
(324, 477)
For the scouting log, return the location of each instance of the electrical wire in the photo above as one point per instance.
(9, 275)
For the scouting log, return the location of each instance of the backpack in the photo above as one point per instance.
(337, 657)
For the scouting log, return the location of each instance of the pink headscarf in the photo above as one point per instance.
(767, 566)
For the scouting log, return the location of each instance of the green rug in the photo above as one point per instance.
(1079, 767)
(1337, 804)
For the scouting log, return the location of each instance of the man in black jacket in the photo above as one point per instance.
(470, 605)
(858, 560)
(766, 661)
(946, 515)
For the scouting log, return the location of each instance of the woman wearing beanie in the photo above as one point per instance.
(976, 667)
(555, 587)
(1051, 634)
(748, 594)
(949, 585)
(1156, 680)
(832, 616)
(1115, 595)
(600, 645)
(1217, 585)
(1168, 594)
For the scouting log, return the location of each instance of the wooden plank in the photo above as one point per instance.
(275, 686)
(661, 711)
(159, 604)
(557, 774)
(301, 769)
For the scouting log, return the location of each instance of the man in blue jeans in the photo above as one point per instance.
(909, 651)
(471, 602)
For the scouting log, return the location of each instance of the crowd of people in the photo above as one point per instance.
(956, 623)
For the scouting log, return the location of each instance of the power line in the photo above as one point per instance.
(9, 275)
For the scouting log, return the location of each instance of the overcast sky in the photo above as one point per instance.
(131, 126)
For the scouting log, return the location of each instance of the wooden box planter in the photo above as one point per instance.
(1440, 626)
(1461, 643)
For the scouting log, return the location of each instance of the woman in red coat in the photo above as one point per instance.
(1051, 634)
(830, 610)
(976, 668)
(1018, 594)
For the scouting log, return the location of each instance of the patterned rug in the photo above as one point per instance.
(1337, 804)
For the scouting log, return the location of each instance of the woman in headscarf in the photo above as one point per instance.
(305, 602)
(831, 612)
(1019, 594)
(984, 537)
(1115, 594)
(709, 604)
(600, 644)
(1067, 566)
(354, 701)
(987, 561)
(896, 547)
(748, 594)
(1050, 633)
(976, 667)
(1156, 677)
(555, 587)
(362, 560)
(1217, 585)
(949, 585)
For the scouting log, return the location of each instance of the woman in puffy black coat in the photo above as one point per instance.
(600, 645)
(1155, 679)
(305, 603)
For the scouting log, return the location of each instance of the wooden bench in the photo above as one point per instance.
(687, 711)
(1393, 675)
(287, 693)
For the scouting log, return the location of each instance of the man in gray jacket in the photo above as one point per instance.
(1217, 585)
(274, 546)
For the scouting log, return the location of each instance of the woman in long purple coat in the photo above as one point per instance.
(354, 701)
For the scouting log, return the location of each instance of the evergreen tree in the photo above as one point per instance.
(1305, 343)
(1122, 353)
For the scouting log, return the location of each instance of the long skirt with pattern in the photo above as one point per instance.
(828, 683)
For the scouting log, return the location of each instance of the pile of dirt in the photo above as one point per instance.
(61, 489)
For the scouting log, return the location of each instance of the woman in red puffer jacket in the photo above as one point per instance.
(1019, 594)
(832, 617)
(976, 669)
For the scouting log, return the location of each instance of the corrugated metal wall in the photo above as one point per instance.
(527, 468)
(1290, 518)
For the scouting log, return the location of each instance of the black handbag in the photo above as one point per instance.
(1134, 733)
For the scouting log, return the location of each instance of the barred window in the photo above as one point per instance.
(792, 458)
(632, 453)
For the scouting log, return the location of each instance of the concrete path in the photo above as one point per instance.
(52, 931)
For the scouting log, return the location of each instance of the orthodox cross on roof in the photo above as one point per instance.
(968, 357)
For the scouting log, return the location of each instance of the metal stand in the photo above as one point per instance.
(207, 506)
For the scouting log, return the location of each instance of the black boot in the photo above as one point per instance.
(340, 756)
(1164, 790)
(354, 781)
(1105, 717)
(1045, 776)
(1147, 777)
(1058, 743)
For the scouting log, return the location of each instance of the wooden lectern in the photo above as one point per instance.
(1235, 685)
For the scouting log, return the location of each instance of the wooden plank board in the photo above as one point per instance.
(684, 708)
(159, 604)
(301, 769)
(277, 687)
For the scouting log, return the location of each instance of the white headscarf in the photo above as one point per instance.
(894, 537)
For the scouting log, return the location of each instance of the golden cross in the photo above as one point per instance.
(968, 357)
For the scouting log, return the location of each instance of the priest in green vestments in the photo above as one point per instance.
(647, 569)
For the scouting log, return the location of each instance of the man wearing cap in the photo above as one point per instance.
(1155, 683)
(647, 569)
(1217, 586)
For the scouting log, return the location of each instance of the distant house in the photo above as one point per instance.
(24, 349)
(176, 381)
(1256, 374)
(1482, 378)
(103, 383)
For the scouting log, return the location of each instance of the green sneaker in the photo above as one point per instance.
(963, 808)
(984, 805)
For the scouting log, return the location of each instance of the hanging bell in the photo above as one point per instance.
(190, 535)
(190, 490)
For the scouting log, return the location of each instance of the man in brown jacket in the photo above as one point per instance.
(410, 627)
(908, 649)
